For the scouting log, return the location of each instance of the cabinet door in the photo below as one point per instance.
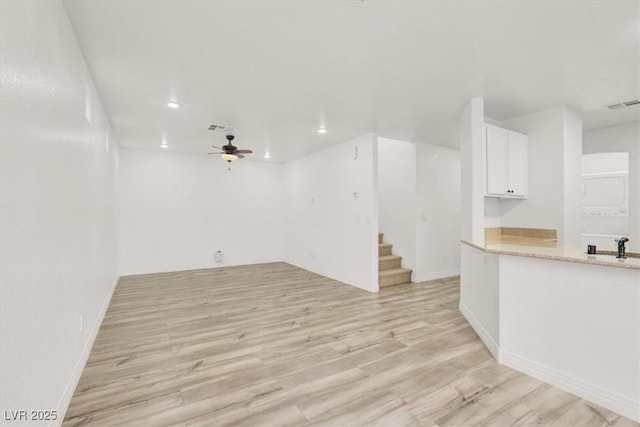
(497, 140)
(517, 160)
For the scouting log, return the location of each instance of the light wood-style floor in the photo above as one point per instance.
(273, 344)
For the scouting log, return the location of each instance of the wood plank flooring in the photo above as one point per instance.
(273, 344)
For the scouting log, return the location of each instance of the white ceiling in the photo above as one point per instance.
(276, 71)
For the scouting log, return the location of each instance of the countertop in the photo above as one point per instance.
(549, 249)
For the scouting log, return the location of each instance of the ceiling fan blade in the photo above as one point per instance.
(240, 156)
(216, 147)
(222, 152)
(244, 151)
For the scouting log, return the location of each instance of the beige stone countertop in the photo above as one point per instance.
(549, 250)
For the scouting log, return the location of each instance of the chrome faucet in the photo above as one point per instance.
(621, 249)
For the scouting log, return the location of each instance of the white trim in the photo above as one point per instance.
(608, 399)
(486, 338)
(65, 400)
(434, 275)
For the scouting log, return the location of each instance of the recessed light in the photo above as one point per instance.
(267, 155)
(172, 104)
(164, 145)
(322, 130)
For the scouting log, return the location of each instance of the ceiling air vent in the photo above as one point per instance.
(623, 104)
(215, 127)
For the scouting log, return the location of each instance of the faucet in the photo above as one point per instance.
(621, 250)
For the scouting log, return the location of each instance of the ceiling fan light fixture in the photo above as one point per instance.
(229, 157)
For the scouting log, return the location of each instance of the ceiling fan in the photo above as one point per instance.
(230, 152)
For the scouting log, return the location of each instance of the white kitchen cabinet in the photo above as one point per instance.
(506, 163)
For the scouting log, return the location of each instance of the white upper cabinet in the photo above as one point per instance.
(506, 163)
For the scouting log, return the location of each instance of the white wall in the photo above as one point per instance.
(438, 212)
(397, 197)
(575, 326)
(58, 209)
(328, 230)
(492, 212)
(177, 210)
(554, 169)
(479, 294)
(625, 138)
(572, 177)
(472, 172)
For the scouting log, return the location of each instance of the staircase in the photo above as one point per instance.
(390, 271)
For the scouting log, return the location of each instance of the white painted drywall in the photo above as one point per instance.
(492, 212)
(572, 177)
(397, 197)
(479, 294)
(554, 174)
(58, 223)
(472, 172)
(575, 326)
(624, 138)
(438, 212)
(329, 230)
(177, 210)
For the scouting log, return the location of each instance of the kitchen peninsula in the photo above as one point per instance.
(557, 314)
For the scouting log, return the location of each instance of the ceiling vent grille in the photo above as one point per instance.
(623, 104)
(214, 127)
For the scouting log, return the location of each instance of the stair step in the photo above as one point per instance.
(388, 262)
(394, 276)
(384, 249)
(380, 237)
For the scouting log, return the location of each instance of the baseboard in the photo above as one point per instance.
(434, 275)
(488, 341)
(65, 400)
(605, 398)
